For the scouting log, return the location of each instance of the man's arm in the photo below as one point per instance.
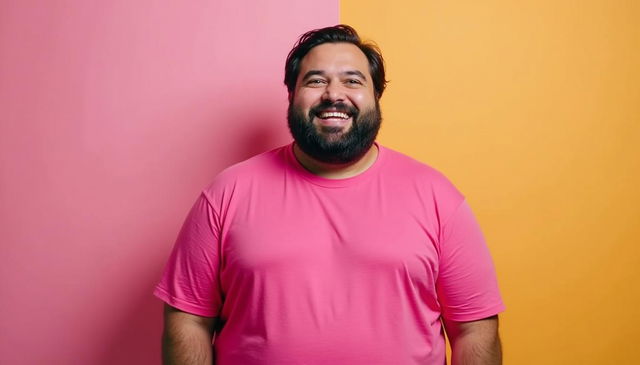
(475, 342)
(186, 338)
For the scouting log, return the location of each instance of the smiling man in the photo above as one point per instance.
(333, 249)
(334, 114)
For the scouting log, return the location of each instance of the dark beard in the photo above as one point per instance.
(333, 147)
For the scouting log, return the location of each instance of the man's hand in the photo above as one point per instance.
(186, 339)
(475, 342)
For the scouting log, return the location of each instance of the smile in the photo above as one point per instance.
(328, 115)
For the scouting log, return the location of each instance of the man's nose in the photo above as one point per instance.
(333, 92)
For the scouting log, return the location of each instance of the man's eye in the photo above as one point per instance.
(315, 82)
(354, 82)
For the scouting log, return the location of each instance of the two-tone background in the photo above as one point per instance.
(114, 114)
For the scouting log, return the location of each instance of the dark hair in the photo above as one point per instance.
(337, 34)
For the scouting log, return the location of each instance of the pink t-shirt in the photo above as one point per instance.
(307, 270)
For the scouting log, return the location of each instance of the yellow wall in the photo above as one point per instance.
(533, 109)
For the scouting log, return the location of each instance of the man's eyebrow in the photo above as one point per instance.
(322, 73)
(355, 73)
(313, 73)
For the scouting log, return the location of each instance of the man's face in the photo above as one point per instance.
(333, 114)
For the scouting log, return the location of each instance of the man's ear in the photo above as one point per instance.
(290, 97)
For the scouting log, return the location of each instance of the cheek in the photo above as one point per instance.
(306, 98)
(362, 99)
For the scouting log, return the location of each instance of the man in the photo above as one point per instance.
(334, 249)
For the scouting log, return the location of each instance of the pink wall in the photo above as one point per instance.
(113, 115)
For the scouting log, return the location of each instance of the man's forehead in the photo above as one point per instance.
(341, 57)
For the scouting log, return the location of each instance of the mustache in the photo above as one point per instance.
(338, 106)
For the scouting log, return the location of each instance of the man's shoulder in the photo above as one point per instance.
(408, 167)
(265, 161)
(260, 166)
(415, 175)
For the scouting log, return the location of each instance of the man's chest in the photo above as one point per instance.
(343, 231)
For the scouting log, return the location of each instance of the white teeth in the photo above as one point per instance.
(326, 115)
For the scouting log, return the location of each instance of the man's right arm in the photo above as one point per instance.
(186, 338)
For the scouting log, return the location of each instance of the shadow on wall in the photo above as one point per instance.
(136, 338)
(255, 134)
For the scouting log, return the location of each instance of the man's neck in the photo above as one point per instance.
(336, 171)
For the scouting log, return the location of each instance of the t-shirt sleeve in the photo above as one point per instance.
(190, 281)
(467, 285)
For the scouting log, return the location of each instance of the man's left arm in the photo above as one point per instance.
(474, 342)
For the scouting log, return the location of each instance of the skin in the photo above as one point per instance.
(333, 72)
(474, 342)
(186, 338)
